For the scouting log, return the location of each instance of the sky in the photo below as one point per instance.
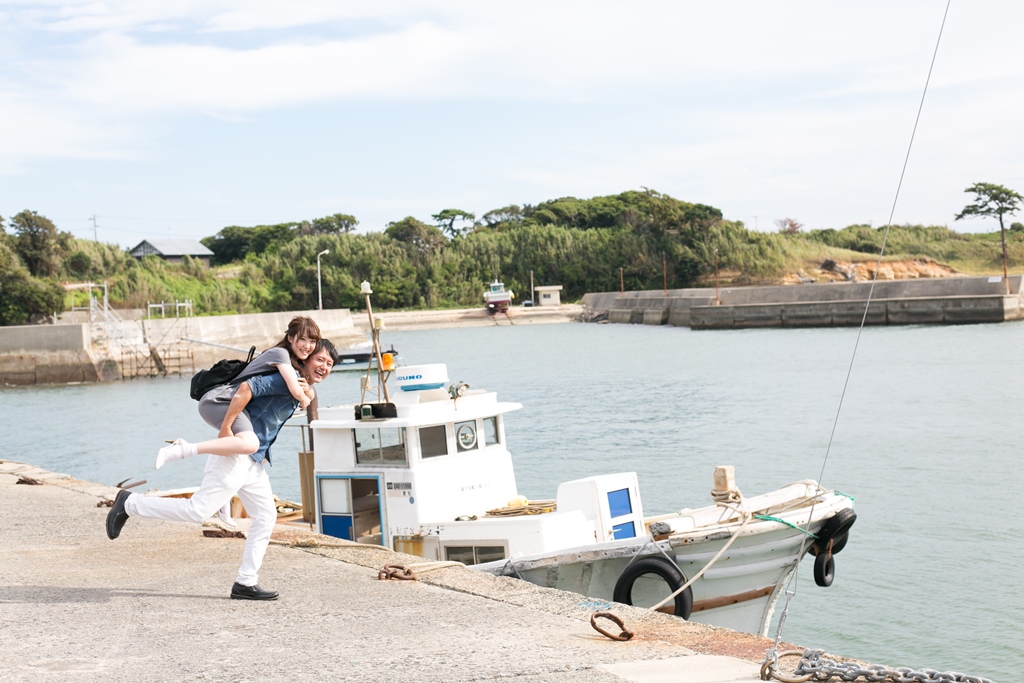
(176, 119)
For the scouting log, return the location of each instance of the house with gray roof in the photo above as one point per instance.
(172, 251)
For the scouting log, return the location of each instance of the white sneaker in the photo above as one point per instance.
(175, 451)
(225, 516)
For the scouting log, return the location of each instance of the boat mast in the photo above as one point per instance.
(375, 326)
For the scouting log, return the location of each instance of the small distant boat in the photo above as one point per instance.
(497, 298)
(359, 358)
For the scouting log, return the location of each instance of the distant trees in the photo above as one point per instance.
(335, 224)
(29, 256)
(234, 243)
(416, 233)
(993, 200)
(578, 243)
(505, 217)
(38, 243)
(789, 226)
(447, 218)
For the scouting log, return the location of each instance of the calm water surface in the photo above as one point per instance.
(928, 442)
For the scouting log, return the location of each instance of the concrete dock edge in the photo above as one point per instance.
(153, 605)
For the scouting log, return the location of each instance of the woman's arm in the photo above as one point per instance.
(296, 387)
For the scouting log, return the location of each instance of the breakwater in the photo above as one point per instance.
(895, 302)
(110, 349)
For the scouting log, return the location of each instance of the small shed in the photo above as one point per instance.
(172, 251)
(548, 295)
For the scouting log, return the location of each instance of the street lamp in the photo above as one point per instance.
(319, 291)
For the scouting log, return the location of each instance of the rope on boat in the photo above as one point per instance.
(405, 572)
(533, 507)
(769, 518)
(746, 520)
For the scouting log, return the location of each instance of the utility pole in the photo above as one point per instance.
(319, 290)
(664, 273)
(95, 234)
(718, 302)
(622, 284)
(532, 294)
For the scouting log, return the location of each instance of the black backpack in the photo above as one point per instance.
(222, 372)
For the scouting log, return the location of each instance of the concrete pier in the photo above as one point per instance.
(153, 605)
(893, 302)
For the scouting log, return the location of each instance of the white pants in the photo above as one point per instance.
(224, 476)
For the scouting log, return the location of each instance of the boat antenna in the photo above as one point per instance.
(791, 585)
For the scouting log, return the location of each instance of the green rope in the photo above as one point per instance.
(845, 495)
(769, 518)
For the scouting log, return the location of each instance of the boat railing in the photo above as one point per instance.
(304, 428)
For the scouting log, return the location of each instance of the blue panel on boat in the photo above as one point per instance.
(625, 530)
(339, 526)
(618, 503)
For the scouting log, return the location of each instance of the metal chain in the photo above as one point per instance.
(817, 667)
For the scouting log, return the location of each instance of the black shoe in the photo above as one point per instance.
(240, 592)
(117, 516)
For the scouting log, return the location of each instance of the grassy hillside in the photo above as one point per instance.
(579, 244)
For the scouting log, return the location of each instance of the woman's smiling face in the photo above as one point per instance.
(301, 346)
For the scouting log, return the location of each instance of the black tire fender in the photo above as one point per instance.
(662, 567)
(824, 569)
(836, 530)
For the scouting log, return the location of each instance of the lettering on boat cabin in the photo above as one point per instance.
(399, 488)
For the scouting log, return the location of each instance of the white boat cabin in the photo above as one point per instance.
(422, 481)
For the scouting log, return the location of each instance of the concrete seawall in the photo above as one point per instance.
(900, 302)
(84, 352)
(89, 352)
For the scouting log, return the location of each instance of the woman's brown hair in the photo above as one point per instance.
(300, 326)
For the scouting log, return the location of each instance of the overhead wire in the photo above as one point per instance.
(792, 583)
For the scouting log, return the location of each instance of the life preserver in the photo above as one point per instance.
(824, 569)
(664, 568)
(836, 530)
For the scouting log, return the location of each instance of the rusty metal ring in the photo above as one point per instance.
(625, 635)
(768, 673)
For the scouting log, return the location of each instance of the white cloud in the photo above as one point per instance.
(774, 103)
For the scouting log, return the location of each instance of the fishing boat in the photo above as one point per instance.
(425, 470)
(360, 358)
(496, 298)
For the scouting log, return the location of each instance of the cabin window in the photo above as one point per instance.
(433, 441)
(465, 436)
(490, 431)
(618, 503)
(474, 554)
(380, 446)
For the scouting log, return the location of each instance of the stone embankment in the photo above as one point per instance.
(113, 349)
(110, 350)
(153, 606)
(893, 302)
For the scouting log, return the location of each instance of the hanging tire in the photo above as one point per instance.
(824, 569)
(836, 530)
(662, 567)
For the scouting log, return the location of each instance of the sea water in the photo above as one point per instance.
(927, 440)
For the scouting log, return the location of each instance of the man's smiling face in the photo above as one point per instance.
(318, 366)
